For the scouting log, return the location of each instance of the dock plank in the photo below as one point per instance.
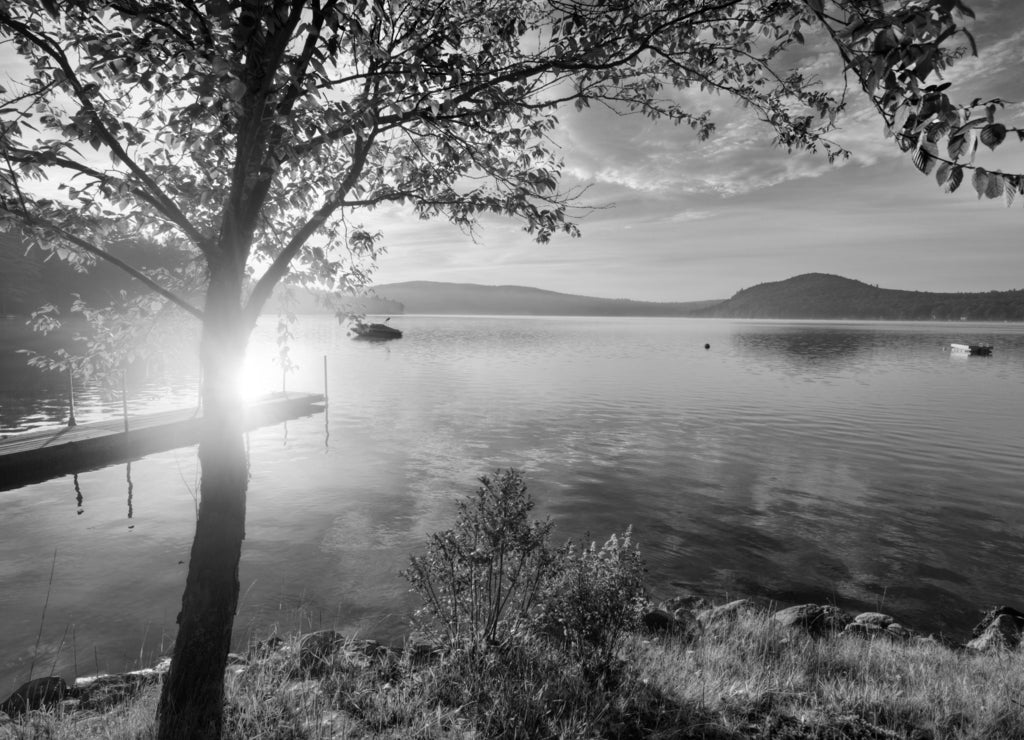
(37, 456)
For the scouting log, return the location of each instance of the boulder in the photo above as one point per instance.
(100, 692)
(35, 694)
(817, 619)
(660, 620)
(423, 653)
(898, 630)
(373, 649)
(877, 619)
(876, 624)
(687, 602)
(726, 612)
(865, 629)
(317, 649)
(937, 640)
(994, 613)
(682, 623)
(264, 648)
(1002, 633)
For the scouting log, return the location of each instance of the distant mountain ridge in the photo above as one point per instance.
(822, 296)
(808, 296)
(426, 297)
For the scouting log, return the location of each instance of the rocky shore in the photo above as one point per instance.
(686, 617)
(1001, 627)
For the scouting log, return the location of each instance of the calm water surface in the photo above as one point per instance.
(857, 463)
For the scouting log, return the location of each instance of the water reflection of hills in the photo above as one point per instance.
(803, 346)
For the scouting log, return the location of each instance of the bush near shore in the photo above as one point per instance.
(519, 640)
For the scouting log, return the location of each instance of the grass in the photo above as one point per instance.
(748, 678)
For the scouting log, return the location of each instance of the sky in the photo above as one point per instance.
(683, 220)
(676, 219)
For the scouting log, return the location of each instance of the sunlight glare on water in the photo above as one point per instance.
(855, 463)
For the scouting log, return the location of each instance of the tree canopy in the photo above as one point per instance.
(248, 135)
(252, 131)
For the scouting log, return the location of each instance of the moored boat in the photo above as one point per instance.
(362, 330)
(971, 349)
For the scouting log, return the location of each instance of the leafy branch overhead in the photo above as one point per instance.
(251, 131)
(899, 56)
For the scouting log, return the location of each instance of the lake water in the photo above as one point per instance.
(856, 463)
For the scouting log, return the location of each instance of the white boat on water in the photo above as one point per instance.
(971, 349)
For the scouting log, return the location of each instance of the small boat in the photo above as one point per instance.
(361, 330)
(971, 349)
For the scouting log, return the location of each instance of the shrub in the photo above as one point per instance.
(480, 579)
(594, 596)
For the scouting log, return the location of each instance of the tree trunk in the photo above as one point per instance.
(192, 699)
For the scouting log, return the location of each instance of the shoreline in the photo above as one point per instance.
(688, 615)
(660, 655)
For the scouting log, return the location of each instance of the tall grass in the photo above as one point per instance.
(533, 642)
(756, 674)
(746, 679)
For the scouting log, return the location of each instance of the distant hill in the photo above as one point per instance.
(425, 297)
(306, 301)
(820, 296)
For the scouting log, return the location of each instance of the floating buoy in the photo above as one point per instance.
(707, 346)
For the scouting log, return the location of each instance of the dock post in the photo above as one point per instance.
(71, 398)
(124, 399)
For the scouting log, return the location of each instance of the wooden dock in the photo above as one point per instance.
(38, 456)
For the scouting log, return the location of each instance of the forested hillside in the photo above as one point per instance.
(425, 297)
(820, 296)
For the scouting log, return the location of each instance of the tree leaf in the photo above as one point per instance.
(980, 181)
(993, 135)
(957, 145)
(899, 119)
(956, 176)
(925, 157)
(943, 172)
(1010, 189)
(995, 185)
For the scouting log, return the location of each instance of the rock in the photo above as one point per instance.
(865, 629)
(875, 624)
(725, 612)
(937, 641)
(659, 620)
(423, 653)
(687, 602)
(898, 630)
(317, 649)
(35, 694)
(372, 649)
(683, 623)
(263, 648)
(876, 619)
(99, 693)
(1002, 633)
(816, 619)
(994, 613)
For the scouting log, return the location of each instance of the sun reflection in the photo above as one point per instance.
(260, 376)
